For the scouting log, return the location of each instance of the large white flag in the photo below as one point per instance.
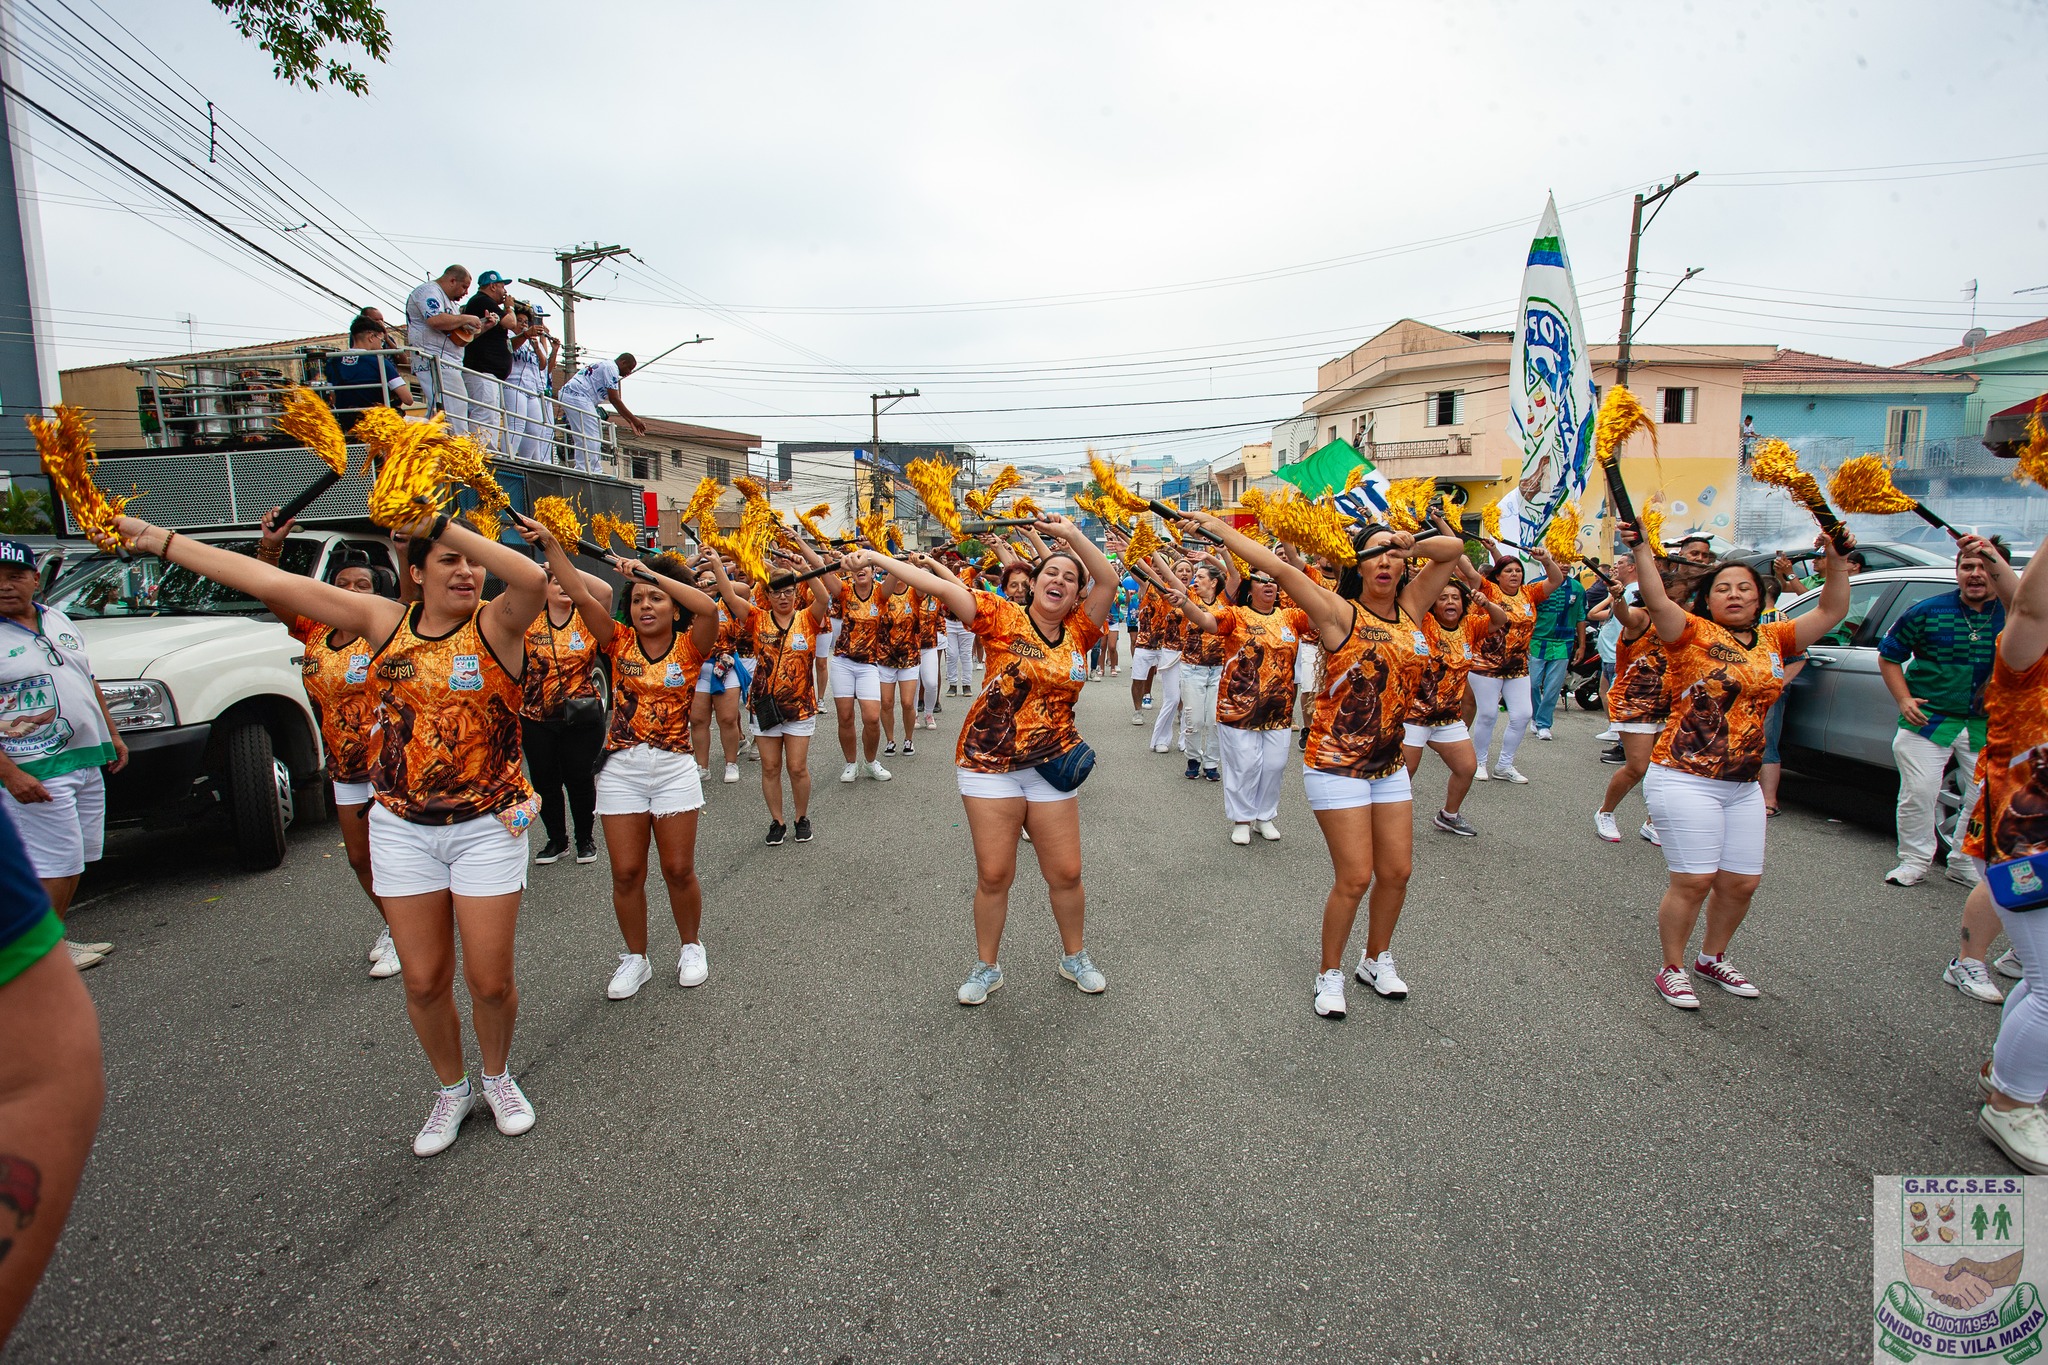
(1550, 389)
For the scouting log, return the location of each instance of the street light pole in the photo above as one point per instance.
(875, 401)
(1636, 225)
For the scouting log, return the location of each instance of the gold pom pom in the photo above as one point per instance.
(1489, 519)
(1652, 518)
(933, 480)
(1620, 417)
(1112, 487)
(308, 420)
(563, 520)
(1408, 502)
(1864, 484)
(1562, 536)
(1144, 542)
(1314, 528)
(809, 521)
(2032, 463)
(411, 482)
(69, 457)
(606, 528)
(702, 501)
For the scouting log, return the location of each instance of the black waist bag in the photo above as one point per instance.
(1067, 772)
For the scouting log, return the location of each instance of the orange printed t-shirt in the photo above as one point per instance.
(337, 677)
(1720, 693)
(896, 640)
(1204, 648)
(448, 718)
(929, 622)
(1367, 683)
(1440, 689)
(784, 661)
(1025, 713)
(651, 696)
(1505, 652)
(860, 631)
(1637, 694)
(2011, 816)
(560, 664)
(1256, 689)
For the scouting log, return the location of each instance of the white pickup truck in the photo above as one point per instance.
(205, 686)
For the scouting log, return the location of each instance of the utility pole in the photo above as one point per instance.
(566, 293)
(881, 484)
(1636, 226)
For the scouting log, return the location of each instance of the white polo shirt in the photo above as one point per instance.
(591, 383)
(46, 678)
(430, 300)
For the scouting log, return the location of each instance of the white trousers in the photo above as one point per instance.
(927, 679)
(959, 657)
(1921, 763)
(1254, 761)
(441, 384)
(584, 433)
(1198, 710)
(1487, 692)
(1166, 699)
(486, 398)
(2019, 1060)
(526, 433)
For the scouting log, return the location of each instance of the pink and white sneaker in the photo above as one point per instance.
(1725, 976)
(1676, 988)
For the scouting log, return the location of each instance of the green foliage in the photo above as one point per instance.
(297, 34)
(971, 549)
(26, 512)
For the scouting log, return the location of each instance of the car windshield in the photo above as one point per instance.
(108, 586)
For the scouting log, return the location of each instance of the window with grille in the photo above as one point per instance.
(718, 468)
(1444, 408)
(639, 465)
(675, 459)
(1677, 405)
(1902, 427)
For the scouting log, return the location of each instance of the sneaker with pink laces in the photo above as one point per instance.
(1725, 976)
(1676, 989)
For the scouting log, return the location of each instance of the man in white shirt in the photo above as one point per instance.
(432, 322)
(597, 382)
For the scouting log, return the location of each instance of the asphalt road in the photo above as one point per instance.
(819, 1156)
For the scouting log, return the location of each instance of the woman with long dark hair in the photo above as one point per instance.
(1020, 758)
(562, 724)
(1205, 645)
(1502, 669)
(1723, 669)
(1353, 774)
(448, 830)
(1455, 625)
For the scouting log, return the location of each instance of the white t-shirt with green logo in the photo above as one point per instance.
(45, 678)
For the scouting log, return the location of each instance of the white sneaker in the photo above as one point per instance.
(693, 967)
(2008, 963)
(444, 1120)
(633, 973)
(1905, 874)
(2022, 1134)
(1543, 732)
(1161, 748)
(1330, 994)
(1649, 832)
(852, 771)
(382, 945)
(1480, 774)
(1240, 834)
(386, 965)
(1506, 773)
(1960, 872)
(1604, 826)
(1609, 736)
(508, 1104)
(1267, 831)
(732, 772)
(1967, 975)
(878, 772)
(83, 957)
(1378, 973)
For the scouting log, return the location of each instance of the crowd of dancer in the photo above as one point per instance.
(452, 723)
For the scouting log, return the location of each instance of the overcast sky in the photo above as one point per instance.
(1073, 204)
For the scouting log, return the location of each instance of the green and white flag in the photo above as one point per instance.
(1550, 389)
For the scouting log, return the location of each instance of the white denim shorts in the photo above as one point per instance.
(1024, 782)
(1706, 824)
(353, 793)
(644, 780)
(67, 831)
(854, 681)
(886, 674)
(1415, 736)
(1144, 661)
(1639, 727)
(1335, 791)
(792, 729)
(478, 857)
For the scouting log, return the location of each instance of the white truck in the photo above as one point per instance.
(205, 687)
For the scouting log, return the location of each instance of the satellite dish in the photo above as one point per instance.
(1975, 337)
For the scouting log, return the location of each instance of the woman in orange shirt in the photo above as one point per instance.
(856, 673)
(1455, 625)
(562, 741)
(896, 655)
(1502, 669)
(1204, 647)
(1723, 669)
(650, 788)
(1021, 759)
(1353, 774)
(448, 830)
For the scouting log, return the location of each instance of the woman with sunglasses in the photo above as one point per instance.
(650, 789)
(1502, 669)
(448, 849)
(1020, 757)
(55, 737)
(1353, 774)
(1723, 669)
(1436, 714)
(336, 674)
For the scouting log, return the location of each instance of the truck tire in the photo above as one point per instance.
(255, 807)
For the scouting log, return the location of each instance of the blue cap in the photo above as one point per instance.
(16, 554)
(489, 278)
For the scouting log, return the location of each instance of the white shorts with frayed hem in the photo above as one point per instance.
(1706, 824)
(1335, 791)
(1416, 736)
(478, 857)
(1025, 782)
(644, 780)
(353, 793)
(855, 681)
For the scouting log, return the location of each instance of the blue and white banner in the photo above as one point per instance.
(1550, 389)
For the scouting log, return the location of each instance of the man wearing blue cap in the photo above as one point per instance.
(487, 360)
(55, 736)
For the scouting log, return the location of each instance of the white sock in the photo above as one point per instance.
(1709, 959)
(488, 1077)
(459, 1089)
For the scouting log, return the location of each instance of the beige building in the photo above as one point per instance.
(670, 459)
(1233, 473)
